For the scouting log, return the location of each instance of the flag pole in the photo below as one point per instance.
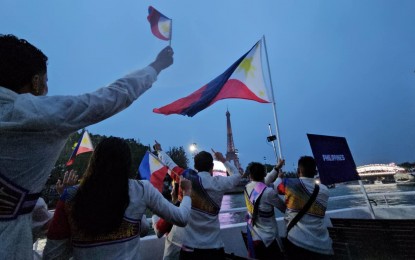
(362, 188)
(272, 141)
(171, 31)
(273, 103)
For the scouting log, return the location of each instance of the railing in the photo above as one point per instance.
(382, 195)
(366, 174)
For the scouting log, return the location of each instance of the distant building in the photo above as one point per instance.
(379, 172)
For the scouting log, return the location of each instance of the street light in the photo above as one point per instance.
(193, 149)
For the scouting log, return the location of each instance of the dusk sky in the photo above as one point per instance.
(341, 68)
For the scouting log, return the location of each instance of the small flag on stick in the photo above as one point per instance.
(84, 145)
(160, 24)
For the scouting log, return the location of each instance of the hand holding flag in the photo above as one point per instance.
(185, 186)
(157, 146)
(219, 156)
(164, 59)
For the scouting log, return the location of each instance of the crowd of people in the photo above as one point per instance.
(103, 216)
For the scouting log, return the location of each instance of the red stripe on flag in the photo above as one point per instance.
(177, 106)
(234, 88)
(83, 149)
(157, 178)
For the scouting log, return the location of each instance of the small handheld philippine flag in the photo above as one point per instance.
(160, 24)
(153, 170)
(84, 145)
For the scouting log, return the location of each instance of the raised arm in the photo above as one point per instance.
(163, 208)
(163, 60)
(227, 183)
(229, 167)
(70, 113)
(273, 174)
(174, 170)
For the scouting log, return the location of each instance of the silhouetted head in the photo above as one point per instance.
(256, 171)
(204, 162)
(23, 67)
(307, 167)
(110, 159)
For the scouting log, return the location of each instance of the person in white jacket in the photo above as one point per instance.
(261, 199)
(309, 237)
(34, 128)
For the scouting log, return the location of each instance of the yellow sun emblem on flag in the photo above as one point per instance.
(247, 67)
(165, 27)
(155, 161)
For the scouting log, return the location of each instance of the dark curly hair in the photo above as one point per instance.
(203, 161)
(256, 171)
(102, 198)
(19, 62)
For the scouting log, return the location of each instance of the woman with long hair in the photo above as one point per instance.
(100, 218)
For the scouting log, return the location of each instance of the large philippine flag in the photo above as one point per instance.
(159, 23)
(243, 80)
(153, 170)
(84, 145)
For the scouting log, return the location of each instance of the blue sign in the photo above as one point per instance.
(334, 160)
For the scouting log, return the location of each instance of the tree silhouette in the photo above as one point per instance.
(178, 155)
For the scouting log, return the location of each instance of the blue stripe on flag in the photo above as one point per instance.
(144, 167)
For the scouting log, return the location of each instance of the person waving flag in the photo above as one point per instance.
(161, 25)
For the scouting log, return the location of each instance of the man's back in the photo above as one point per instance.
(310, 232)
(265, 223)
(203, 228)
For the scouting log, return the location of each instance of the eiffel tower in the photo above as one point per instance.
(231, 153)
